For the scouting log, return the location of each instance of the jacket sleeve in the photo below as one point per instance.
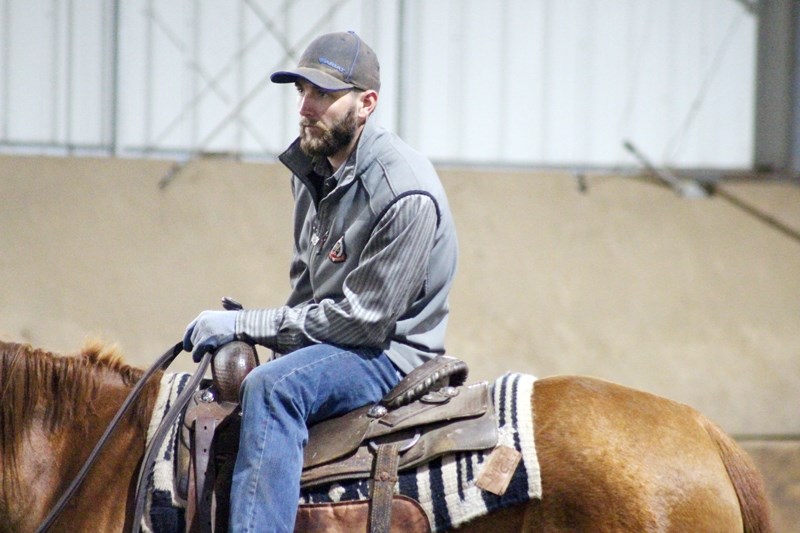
(390, 275)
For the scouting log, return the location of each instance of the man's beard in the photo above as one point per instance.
(328, 141)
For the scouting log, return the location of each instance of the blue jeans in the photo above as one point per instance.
(280, 399)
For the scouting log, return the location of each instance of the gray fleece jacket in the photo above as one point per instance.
(374, 258)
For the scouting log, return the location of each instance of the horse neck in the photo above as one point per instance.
(114, 472)
(55, 410)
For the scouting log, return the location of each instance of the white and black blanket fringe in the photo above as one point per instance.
(446, 486)
(164, 512)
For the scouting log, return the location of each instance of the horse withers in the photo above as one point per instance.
(611, 458)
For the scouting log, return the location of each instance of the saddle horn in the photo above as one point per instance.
(230, 365)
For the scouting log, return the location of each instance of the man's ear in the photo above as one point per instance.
(369, 100)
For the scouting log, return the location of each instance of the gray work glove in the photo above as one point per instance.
(209, 331)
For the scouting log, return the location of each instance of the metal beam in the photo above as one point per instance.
(795, 97)
(113, 100)
(777, 124)
(750, 5)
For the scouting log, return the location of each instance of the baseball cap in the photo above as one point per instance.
(334, 62)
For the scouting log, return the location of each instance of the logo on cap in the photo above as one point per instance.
(326, 61)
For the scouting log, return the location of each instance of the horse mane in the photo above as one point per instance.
(60, 388)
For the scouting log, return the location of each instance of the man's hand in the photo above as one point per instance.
(209, 331)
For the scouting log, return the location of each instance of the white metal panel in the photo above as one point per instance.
(522, 113)
(563, 81)
(431, 86)
(56, 72)
(206, 66)
(538, 82)
(154, 75)
(691, 87)
(31, 71)
(88, 73)
(485, 126)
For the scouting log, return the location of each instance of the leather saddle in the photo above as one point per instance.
(430, 413)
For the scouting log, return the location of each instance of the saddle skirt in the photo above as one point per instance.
(459, 486)
(449, 420)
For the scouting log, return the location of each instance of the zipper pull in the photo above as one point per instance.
(318, 240)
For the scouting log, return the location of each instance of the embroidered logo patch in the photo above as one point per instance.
(337, 253)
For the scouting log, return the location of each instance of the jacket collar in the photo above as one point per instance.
(308, 170)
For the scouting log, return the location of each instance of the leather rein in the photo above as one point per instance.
(162, 363)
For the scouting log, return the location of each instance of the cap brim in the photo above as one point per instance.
(317, 77)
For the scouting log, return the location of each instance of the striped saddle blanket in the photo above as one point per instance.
(447, 488)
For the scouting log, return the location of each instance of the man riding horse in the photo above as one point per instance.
(375, 254)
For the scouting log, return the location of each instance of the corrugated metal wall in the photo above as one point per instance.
(532, 82)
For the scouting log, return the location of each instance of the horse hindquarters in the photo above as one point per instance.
(746, 480)
(617, 459)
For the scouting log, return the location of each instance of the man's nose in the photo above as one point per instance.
(307, 107)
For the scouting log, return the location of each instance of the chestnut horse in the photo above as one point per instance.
(611, 458)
